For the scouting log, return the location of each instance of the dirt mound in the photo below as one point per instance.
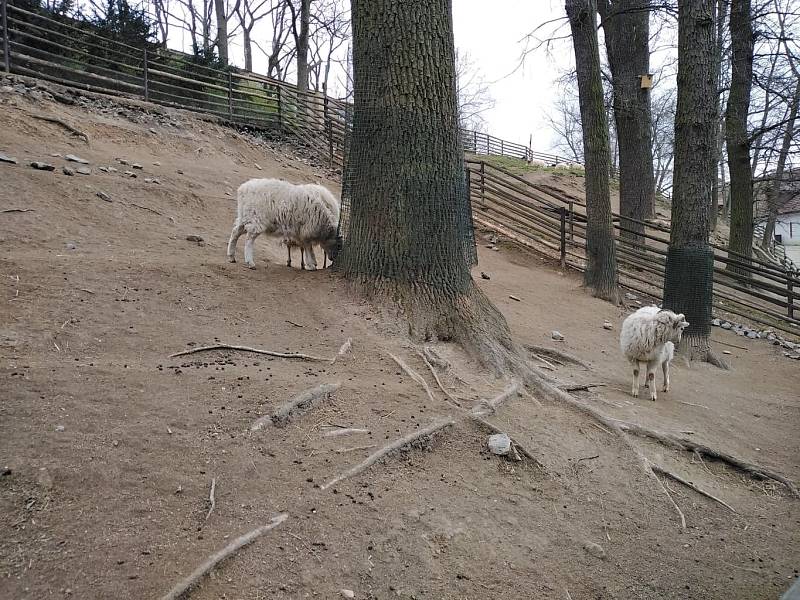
(111, 446)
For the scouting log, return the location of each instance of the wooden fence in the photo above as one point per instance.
(552, 222)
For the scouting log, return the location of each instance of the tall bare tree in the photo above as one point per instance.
(688, 282)
(474, 98)
(601, 265)
(301, 22)
(250, 12)
(627, 40)
(737, 134)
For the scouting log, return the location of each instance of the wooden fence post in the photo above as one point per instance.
(571, 222)
(280, 107)
(230, 94)
(468, 175)
(6, 53)
(502, 151)
(146, 79)
(483, 183)
(563, 215)
(790, 296)
(328, 129)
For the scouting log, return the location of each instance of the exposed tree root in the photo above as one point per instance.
(669, 496)
(212, 500)
(414, 375)
(581, 387)
(435, 359)
(249, 349)
(180, 590)
(411, 439)
(67, 126)
(438, 381)
(489, 407)
(689, 484)
(555, 355)
(296, 405)
(16, 210)
(698, 349)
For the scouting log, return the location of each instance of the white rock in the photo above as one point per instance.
(347, 593)
(60, 428)
(500, 443)
(608, 326)
(556, 335)
(595, 550)
(77, 159)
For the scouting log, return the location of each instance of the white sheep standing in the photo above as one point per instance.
(300, 214)
(308, 250)
(649, 335)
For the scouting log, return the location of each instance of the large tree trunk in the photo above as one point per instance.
(601, 264)
(406, 214)
(774, 195)
(688, 282)
(627, 36)
(738, 140)
(222, 31)
(248, 49)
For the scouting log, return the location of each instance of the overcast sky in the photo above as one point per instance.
(491, 34)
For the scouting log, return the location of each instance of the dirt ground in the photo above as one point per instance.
(110, 446)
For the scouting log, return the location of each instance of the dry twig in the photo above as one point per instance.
(15, 210)
(487, 407)
(414, 375)
(689, 484)
(212, 561)
(438, 381)
(211, 498)
(423, 434)
(249, 349)
(298, 404)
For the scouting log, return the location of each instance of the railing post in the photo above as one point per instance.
(475, 142)
(280, 107)
(502, 150)
(146, 78)
(483, 183)
(230, 94)
(571, 223)
(328, 128)
(563, 215)
(6, 53)
(790, 296)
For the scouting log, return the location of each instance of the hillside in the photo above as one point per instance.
(108, 447)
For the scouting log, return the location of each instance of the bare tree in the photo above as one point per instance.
(565, 122)
(330, 22)
(474, 98)
(301, 21)
(250, 12)
(601, 264)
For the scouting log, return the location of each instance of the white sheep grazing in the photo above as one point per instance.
(333, 204)
(300, 214)
(649, 335)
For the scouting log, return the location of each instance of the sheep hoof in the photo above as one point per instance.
(251, 265)
(231, 259)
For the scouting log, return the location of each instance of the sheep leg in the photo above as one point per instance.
(635, 386)
(651, 379)
(665, 368)
(302, 259)
(289, 252)
(324, 259)
(248, 248)
(236, 233)
(312, 259)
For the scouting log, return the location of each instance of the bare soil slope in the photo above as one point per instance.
(111, 446)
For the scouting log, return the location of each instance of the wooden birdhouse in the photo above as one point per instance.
(646, 81)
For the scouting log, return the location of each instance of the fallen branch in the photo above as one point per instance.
(397, 445)
(343, 450)
(554, 354)
(693, 404)
(674, 504)
(689, 484)
(414, 375)
(212, 561)
(249, 349)
(581, 387)
(211, 499)
(487, 407)
(145, 208)
(438, 381)
(13, 210)
(550, 365)
(68, 127)
(729, 344)
(345, 431)
(296, 405)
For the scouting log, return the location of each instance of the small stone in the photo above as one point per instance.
(740, 332)
(5, 472)
(753, 335)
(83, 171)
(726, 351)
(629, 296)
(607, 325)
(103, 196)
(137, 166)
(153, 131)
(484, 275)
(122, 161)
(60, 428)
(347, 593)
(77, 159)
(499, 443)
(113, 170)
(514, 298)
(793, 356)
(103, 169)
(130, 174)
(716, 322)
(726, 325)
(556, 335)
(152, 180)
(67, 171)
(179, 172)
(70, 245)
(156, 164)
(42, 166)
(115, 443)
(595, 550)
(258, 166)
(193, 238)
(8, 159)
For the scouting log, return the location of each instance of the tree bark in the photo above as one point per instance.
(720, 8)
(406, 223)
(301, 41)
(774, 191)
(627, 37)
(688, 282)
(601, 265)
(222, 31)
(248, 49)
(737, 138)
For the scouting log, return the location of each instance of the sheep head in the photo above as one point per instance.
(672, 325)
(332, 247)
